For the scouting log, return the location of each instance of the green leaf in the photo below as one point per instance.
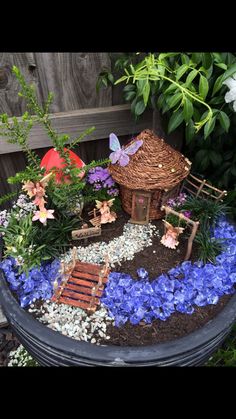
(209, 126)
(185, 59)
(224, 120)
(209, 72)
(217, 57)
(231, 70)
(141, 86)
(197, 115)
(203, 87)
(129, 87)
(161, 69)
(181, 70)
(188, 110)
(216, 100)
(191, 77)
(139, 108)
(173, 100)
(202, 156)
(205, 162)
(104, 81)
(129, 95)
(222, 65)
(175, 120)
(206, 59)
(217, 85)
(196, 57)
(233, 170)
(123, 78)
(170, 88)
(110, 78)
(189, 131)
(215, 158)
(146, 92)
(166, 55)
(228, 155)
(160, 101)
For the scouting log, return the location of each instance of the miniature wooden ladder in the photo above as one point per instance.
(84, 286)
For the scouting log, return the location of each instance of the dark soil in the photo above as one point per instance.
(156, 259)
(8, 343)
(176, 326)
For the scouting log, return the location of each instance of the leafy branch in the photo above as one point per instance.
(17, 131)
(153, 69)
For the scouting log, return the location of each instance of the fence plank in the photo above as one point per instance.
(70, 76)
(105, 119)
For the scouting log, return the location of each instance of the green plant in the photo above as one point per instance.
(28, 237)
(204, 210)
(21, 358)
(226, 355)
(187, 87)
(207, 212)
(212, 149)
(209, 247)
(56, 237)
(20, 241)
(17, 131)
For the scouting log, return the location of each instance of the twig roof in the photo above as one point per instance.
(156, 165)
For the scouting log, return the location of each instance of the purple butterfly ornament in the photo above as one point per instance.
(121, 155)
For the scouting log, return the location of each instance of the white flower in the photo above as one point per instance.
(231, 95)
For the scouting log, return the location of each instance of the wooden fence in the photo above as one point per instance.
(77, 105)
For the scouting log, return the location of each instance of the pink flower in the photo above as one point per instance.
(42, 215)
(29, 188)
(39, 201)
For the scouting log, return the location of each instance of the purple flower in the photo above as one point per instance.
(187, 214)
(113, 192)
(108, 183)
(97, 174)
(100, 178)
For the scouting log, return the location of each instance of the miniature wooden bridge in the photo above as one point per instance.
(84, 286)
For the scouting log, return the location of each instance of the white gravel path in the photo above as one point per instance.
(76, 322)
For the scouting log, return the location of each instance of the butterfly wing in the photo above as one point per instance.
(133, 147)
(114, 143)
(124, 159)
(115, 156)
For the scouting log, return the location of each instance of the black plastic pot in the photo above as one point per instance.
(51, 348)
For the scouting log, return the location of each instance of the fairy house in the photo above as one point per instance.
(152, 176)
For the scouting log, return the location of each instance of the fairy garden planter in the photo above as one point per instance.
(151, 285)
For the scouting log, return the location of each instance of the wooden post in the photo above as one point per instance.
(201, 186)
(223, 193)
(194, 224)
(190, 240)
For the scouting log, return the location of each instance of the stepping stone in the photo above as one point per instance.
(3, 320)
